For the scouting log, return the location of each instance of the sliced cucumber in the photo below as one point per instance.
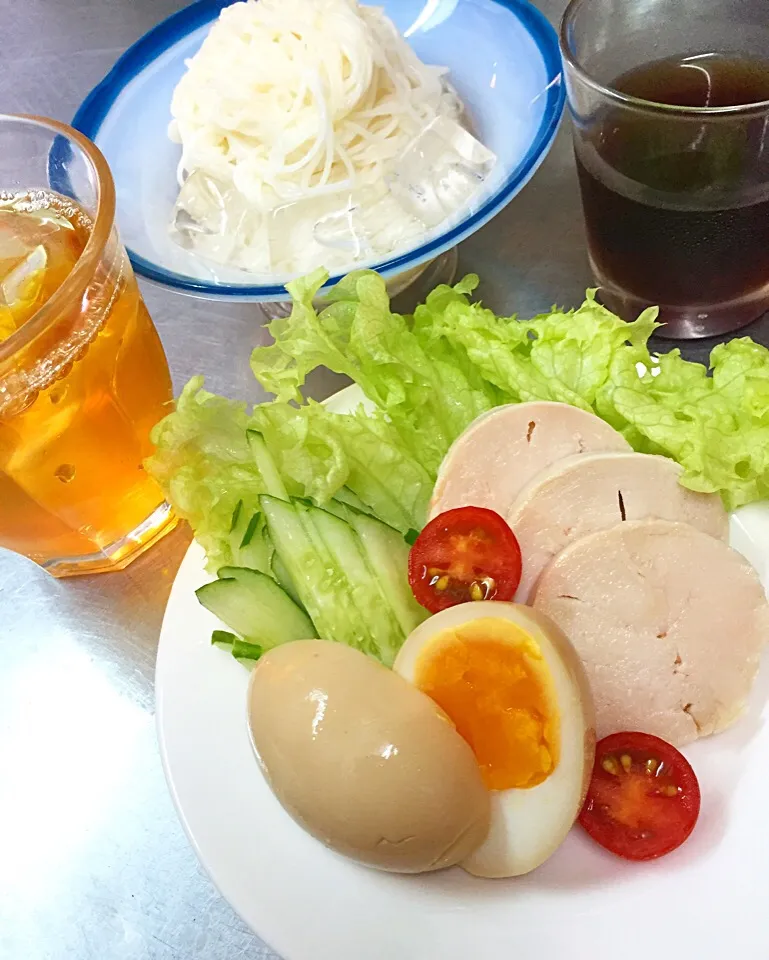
(251, 531)
(273, 482)
(276, 567)
(236, 573)
(388, 554)
(377, 626)
(236, 516)
(348, 496)
(337, 507)
(389, 507)
(256, 553)
(242, 528)
(280, 573)
(351, 622)
(241, 518)
(255, 607)
(251, 545)
(323, 591)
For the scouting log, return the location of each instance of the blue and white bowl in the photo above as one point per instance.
(502, 57)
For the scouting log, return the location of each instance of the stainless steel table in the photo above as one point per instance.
(93, 862)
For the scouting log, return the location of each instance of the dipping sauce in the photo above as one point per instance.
(677, 207)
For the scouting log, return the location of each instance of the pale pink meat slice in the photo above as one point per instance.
(580, 495)
(501, 451)
(668, 621)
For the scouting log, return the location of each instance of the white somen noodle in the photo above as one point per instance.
(302, 100)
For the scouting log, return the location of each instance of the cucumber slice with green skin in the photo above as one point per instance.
(349, 624)
(283, 581)
(365, 618)
(255, 607)
(323, 591)
(251, 531)
(376, 620)
(236, 516)
(236, 573)
(241, 518)
(239, 527)
(273, 482)
(337, 507)
(388, 554)
(348, 496)
(362, 478)
(251, 545)
(280, 573)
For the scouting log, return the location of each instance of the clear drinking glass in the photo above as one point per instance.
(675, 193)
(83, 376)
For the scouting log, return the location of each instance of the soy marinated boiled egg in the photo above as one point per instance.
(364, 761)
(515, 689)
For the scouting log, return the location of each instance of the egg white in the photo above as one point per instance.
(527, 825)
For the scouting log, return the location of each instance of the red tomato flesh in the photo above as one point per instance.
(643, 800)
(464, 554)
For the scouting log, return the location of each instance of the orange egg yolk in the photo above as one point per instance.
(492, 680)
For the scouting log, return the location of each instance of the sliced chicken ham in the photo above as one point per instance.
(668, 621)
(501, 451)
(582, 494)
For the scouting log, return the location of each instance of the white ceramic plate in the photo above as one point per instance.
(707, 900)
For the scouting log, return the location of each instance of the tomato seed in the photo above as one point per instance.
(626, 762)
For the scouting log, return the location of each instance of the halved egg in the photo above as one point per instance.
(515, 689)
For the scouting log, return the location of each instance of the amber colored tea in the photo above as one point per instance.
(677, 213)
(77, 398)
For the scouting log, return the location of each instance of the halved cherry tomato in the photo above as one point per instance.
(465, 554)
(643, 800)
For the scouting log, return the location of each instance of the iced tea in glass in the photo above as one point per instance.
(83, 375)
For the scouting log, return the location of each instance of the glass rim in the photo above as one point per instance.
(81, 274)
(628, 100)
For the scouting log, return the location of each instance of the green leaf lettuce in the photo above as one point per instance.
(426, 377)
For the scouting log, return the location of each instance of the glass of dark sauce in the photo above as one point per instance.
(670, 107)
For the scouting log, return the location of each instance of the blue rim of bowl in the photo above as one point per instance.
(94, 109)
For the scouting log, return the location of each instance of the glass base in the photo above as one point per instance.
(118, 555)
(687, 323)
(406, 289)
